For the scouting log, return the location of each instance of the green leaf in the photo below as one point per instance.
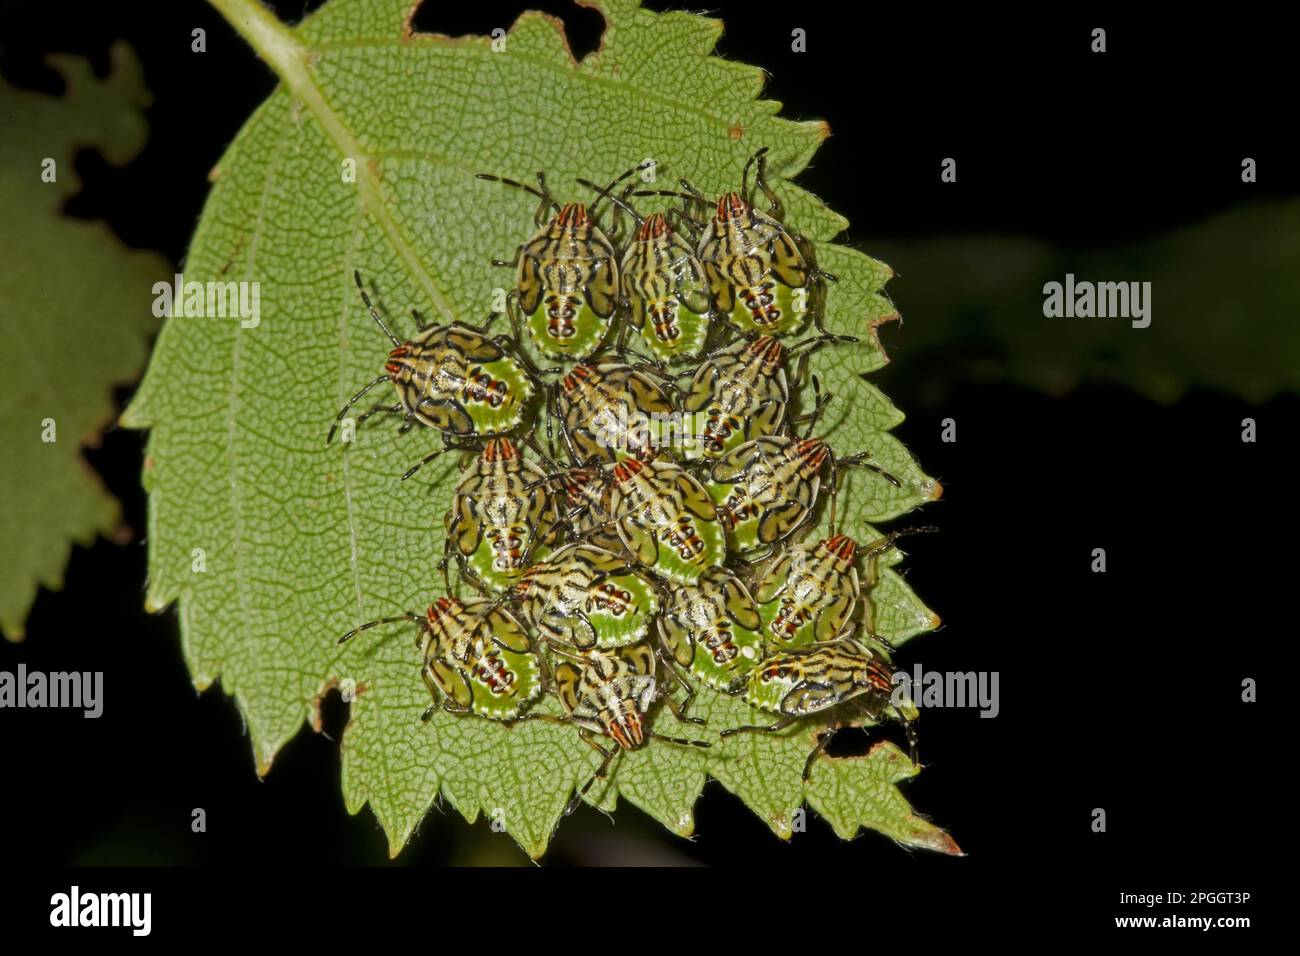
(78, 314)
(305, 541)
(1218, 289)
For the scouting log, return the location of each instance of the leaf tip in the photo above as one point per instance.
(781, 826)
(684, 825)
(131, 418)
(395, 846)
(927, 836)
(264, 759)
(534, 847)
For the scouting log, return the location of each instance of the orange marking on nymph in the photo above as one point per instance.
(578, 372)
(812, 452)
(573, 214)
(879, 676)
(626, 468)
(841, 546)
(732, 206)
(491, 670)
(499, 449)
(627, 731)
(444, 605)
(482, 387)
(394, 366)
(653, 227)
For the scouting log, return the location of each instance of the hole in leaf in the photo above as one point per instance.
(858, 741)
(333, 712)
(583, 26)
(294, 12)
(851, 742)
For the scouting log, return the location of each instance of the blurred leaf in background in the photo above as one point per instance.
(76, 306)
(1225, 308)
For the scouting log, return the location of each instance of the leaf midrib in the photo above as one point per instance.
(290, 59)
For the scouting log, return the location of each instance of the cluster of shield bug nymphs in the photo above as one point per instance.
(652, 543)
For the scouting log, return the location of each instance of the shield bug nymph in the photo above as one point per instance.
(584, 596)
(819, 679)
(566, 285)
(610, 411)
(760, 274)
(476, 657)
(666, 519)
(502, 509)
(712, 628)
(454, 378)
(663, 285)
(807, 594)
(610, 694)
(587, 496)
(768, 488)
(740, 391)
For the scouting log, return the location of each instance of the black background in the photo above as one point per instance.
(1119, 690)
